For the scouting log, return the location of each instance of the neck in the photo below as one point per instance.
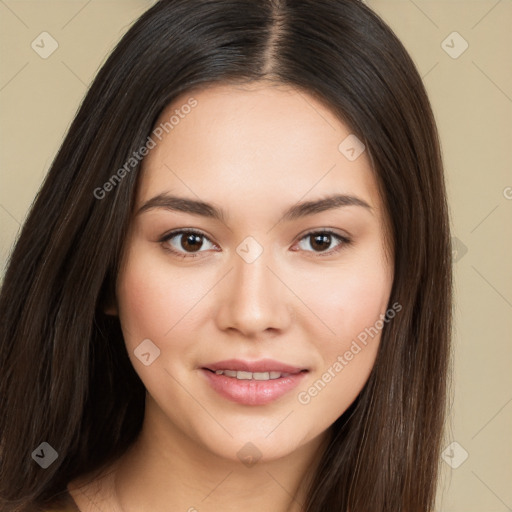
(167, 470)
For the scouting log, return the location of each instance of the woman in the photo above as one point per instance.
(234, 288)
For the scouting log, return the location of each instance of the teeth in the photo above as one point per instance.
(242, 375)
(261, 376)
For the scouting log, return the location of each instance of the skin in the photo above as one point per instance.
(254, 151)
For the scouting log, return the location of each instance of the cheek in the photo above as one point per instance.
(350, 301)
(347, 299)
(155, 299)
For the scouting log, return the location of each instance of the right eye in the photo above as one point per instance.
(184, 242)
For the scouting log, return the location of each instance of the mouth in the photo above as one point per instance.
(252, 382)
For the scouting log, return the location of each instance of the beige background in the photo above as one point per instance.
(472, 100)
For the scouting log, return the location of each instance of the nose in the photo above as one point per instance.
(254, 300)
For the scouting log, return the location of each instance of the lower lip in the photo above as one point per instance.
(252, 392)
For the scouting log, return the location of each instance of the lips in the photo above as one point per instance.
(252, 382)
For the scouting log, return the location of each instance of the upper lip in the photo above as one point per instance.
(262, 365)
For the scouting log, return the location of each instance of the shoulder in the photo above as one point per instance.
(62, 509)
(63, 503)
(93, 492)
(87, 493)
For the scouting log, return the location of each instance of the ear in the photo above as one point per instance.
(110, 310)
(108, 301)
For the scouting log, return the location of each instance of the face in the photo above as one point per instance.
(244, 295)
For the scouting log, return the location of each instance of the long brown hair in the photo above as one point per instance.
(66, 378)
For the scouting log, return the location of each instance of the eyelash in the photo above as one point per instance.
(344, 242)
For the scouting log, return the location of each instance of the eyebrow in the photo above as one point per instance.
(298, 210)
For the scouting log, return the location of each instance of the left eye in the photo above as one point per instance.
(191, 242)
(320, 241)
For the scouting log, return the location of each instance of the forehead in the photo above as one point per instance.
(255, 142)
